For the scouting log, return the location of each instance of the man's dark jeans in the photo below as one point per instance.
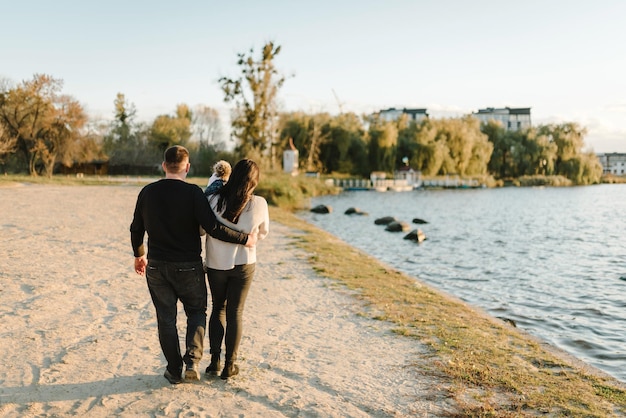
(169, 282)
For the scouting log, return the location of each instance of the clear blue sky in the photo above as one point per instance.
(564, 59)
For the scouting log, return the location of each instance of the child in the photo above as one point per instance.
(221, 173)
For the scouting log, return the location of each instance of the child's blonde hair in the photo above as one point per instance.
(222, 169)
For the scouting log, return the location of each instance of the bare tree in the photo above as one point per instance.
(206, 126)
(254, 94)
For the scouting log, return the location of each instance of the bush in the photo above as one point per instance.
(291, 192)
(556, 181)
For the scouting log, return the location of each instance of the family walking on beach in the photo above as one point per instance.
(175, 214)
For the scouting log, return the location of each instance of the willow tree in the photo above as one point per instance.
(254, 94)
(571, 161)
(383, 140)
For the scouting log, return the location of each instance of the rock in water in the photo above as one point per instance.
(397, 227)
(354, 211)
(322, 209)
(416, 235)
(385, 220)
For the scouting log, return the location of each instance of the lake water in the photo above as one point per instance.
(551, 259)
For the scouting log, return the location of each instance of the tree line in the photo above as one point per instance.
(43, 131)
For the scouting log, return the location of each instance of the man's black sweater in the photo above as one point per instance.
(171, 212)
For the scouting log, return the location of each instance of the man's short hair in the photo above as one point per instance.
(176, 158)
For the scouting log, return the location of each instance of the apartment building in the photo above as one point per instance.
(513, 119)
(613, 163)
(391, 114)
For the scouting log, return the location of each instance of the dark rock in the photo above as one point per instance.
(508, 321)
(397, 227)
(416, 235)
(385, 220)
(322, 209)
(419, 221)
(354, 211)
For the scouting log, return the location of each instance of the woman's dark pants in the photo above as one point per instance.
(229, 289)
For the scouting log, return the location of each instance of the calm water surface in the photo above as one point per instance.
(551, 259)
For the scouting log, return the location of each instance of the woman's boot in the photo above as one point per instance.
(214, 366)
(230, 369)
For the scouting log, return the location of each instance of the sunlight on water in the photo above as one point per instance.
(551, 259)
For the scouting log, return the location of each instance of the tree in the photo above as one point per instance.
(167, 130)
(206, 127)
(571, 161)
(254, 93)
(383, 139)
(308, 133)
(126, 142)
(348, 152)
(60, 144)
(44, 124)
(7, 142)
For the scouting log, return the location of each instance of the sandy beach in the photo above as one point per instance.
(79, 334)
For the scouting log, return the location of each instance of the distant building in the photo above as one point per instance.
(613, 163)
(391, 114)
(513, 119)
(290, 159)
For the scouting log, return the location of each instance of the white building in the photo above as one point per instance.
(391, 114)
(513, 119)
(613, 163)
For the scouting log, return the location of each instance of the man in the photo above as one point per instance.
(172, 211)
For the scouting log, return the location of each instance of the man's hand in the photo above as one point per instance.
(140, 265)
(252, 239)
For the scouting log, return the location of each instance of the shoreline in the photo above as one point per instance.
(79, 332)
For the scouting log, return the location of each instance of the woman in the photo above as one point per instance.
(230, 267)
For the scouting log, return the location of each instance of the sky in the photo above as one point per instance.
(565, 59)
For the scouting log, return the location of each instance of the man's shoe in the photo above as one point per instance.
(214, 366)
(191, 372)
(230, 370)
(174, 380)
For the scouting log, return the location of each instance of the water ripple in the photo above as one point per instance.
(551, 259)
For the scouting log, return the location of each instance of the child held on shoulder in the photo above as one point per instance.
(221, 173)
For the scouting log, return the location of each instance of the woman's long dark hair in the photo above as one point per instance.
(236, 193)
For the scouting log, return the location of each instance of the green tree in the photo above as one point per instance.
(465, 143)
(308, 134)
(429, 151)
(571, 162)
(383, 139)
(126, 142)
(344, 149)
(533, 153)
(254, 93)
(501, 162)
(569, 139)
(167, 130)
